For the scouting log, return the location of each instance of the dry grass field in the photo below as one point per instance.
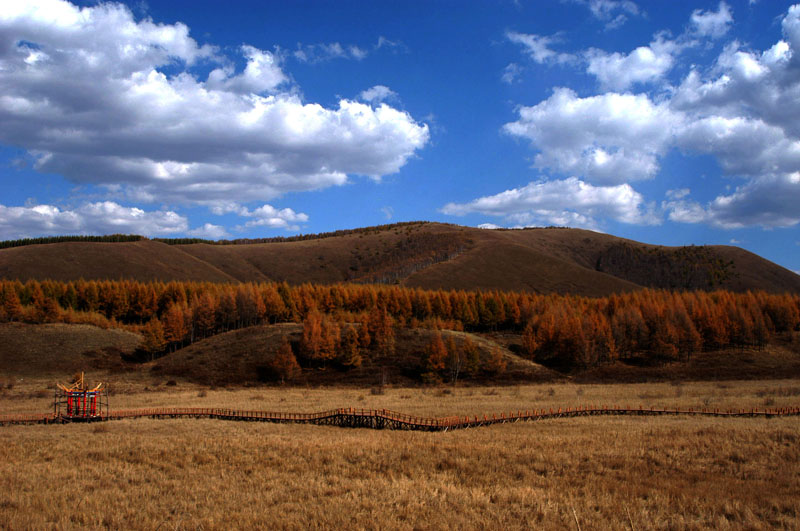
(587, 473)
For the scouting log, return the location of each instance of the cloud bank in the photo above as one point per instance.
(101, 98)
(743, 110)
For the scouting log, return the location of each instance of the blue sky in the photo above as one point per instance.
(673, 123)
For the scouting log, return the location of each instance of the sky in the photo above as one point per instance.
(672, 123)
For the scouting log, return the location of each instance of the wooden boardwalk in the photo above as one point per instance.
(392, 420)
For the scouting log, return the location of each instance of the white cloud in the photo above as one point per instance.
(510, 73)
(388, 212)
(611, 138)
(396, 46)
(489, 226)
(538, 48)
(614, 13)
(209, 231)
(377, 94)
(318, 53)
(561, 202)
(744, 111)
(269, 216)
(645, 64)
(83, 91)
(263, 216)
(261, 74)
(104, 217)
(713, 24)
(743, 147)
(767, 201)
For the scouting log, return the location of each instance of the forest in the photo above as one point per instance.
(345, 325)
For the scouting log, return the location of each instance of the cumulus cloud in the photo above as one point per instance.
(713, 24)
(210, 231)
(377, 94)
(269, 216)
(610, 138)
(262, 74)
(84, 91)
(767, 201)
(538, 48)
(744, 111)
(263, 216)
(105, 217)
(561, 202)
(643, 65)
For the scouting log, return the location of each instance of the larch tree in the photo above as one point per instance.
(153, 341)
(175, 327)
(349, 352)
(284, 365)
(435, 354)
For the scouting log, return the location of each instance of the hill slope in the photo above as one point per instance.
(60, 350)
(142, 260)
(429, 255)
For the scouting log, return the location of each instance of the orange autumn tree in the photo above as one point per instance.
(284, 364)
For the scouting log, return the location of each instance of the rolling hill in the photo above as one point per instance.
(241, 357)
(427, 255)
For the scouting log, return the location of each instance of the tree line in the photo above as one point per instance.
(343, 322)
(115, 238)
(110, 238)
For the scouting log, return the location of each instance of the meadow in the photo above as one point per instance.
(584, 473)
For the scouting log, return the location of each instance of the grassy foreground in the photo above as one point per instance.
(592, 473)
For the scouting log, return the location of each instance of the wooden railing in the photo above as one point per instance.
(384, 418)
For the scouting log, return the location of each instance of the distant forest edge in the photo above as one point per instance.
(117, 238)
(346, 325)
(110, 238)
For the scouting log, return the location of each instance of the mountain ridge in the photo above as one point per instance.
(415, 254)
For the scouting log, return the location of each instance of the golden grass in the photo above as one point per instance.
(603, 472)
(35, 396)
(613, 473)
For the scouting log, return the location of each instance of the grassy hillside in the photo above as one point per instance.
(430, 255)
(141, 260)
(60, 350)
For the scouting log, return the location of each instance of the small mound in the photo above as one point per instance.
(233, 358)
(243, 356)
(775, 361)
